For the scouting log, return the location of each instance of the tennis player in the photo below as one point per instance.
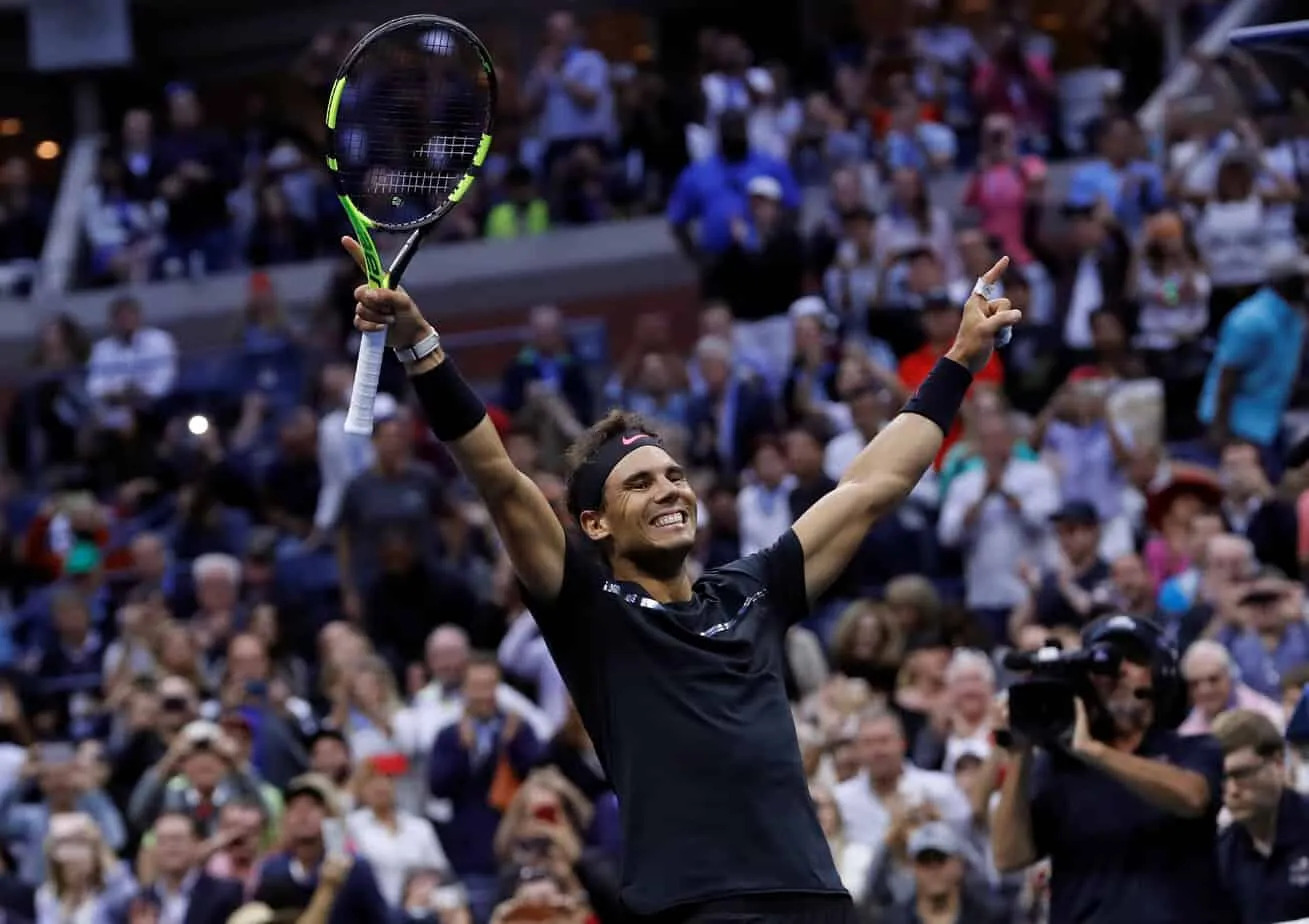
(680, 683)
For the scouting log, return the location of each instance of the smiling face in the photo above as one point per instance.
(649, 513)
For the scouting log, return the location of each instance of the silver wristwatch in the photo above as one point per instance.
(420, 350)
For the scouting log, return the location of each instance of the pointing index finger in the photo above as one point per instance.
(994, 274)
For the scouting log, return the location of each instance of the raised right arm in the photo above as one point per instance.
(532, 534)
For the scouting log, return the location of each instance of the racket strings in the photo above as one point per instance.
(410, 122)
(412, 182)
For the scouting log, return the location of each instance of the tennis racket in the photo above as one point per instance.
(409, 125)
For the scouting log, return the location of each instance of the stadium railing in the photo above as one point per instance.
(63, 240)
(1239, 13)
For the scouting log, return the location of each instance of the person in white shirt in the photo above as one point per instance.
(969, 690)
(132, 368)
(763, 508)
(853, 859)
(1171, 286)
(1232, 233)
(441, 703)
(728, 87)
(341, 455)
(396, 843)
(569, 92)
(998, 514)
(868, 413)
(523, 655)
(887, 786)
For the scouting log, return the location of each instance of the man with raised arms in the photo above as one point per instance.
(680, 683)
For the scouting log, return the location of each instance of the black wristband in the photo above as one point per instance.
(941, 394)
(450, 405)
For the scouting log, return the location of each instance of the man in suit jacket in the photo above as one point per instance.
(731, 410)
(184, 893)
(475, 766)
(1252, 508)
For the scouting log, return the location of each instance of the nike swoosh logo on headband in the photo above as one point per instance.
(629, 440)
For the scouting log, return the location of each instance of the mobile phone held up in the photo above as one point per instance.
(334, 844)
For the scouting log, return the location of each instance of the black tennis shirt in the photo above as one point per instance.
(687, 708)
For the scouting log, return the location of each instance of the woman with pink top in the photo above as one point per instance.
(1003, 185)
(1169, 511)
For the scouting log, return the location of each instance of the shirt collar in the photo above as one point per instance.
(184, 889)
(299, 874)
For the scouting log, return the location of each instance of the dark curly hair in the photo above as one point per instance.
(584, 448)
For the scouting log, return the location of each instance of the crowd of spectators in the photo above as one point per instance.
(577, 141)
(256, 669)
(581, 139)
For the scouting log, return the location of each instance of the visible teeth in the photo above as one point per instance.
(669, 519)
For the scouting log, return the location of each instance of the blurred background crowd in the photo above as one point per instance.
(256, 670)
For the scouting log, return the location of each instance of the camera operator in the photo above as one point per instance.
(1124, 807)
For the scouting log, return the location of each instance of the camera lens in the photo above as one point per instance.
(1042, 709)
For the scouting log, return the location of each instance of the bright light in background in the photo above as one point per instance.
(47, 150)
(11, 127)
(198, 425)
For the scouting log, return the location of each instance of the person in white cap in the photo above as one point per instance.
(1257, 361)
(711, 192)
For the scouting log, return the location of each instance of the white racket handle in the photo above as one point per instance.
(368, 370)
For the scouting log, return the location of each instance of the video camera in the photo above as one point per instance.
(1041, 706)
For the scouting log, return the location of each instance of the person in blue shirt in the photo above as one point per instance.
(915, 143)
(1263, 855)
(712, 193)
(1254, 369)
(1132, 187)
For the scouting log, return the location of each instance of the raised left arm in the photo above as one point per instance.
(881, 476)
(884, 473)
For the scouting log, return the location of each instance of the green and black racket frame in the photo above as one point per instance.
(409, 126)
